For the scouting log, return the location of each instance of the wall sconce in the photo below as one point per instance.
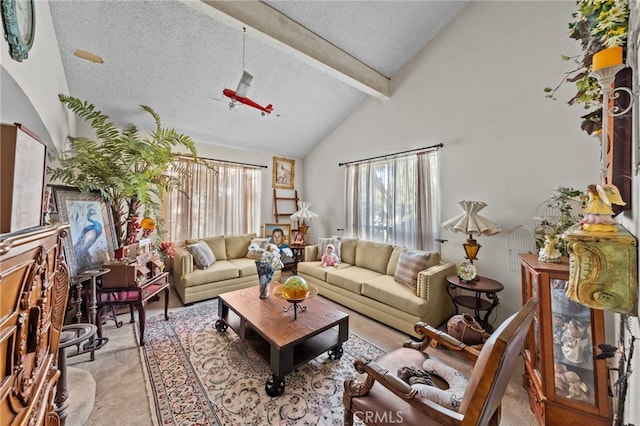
(605, 66)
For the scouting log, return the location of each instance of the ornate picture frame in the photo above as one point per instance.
(268, 228)
(90, 242)
(19, 21)
(284, 171)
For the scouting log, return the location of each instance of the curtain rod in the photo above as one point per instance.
(225, 161)
(440, 145)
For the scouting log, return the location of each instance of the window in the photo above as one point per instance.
(394, 200)
(217, 198)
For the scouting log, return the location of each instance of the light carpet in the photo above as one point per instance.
(199, 376)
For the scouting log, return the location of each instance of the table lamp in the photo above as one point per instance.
(470, 222)
(303, 216)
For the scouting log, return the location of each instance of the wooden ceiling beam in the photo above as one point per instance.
(299, 42)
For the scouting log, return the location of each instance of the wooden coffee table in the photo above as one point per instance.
(282, 341)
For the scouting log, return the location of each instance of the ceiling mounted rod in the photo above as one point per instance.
(244, 36)
(426, 148)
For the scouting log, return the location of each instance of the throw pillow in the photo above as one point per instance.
(409, 264)
(202, 254)
(450, 398)
(324, 242)
(348, 250)
(256, 247)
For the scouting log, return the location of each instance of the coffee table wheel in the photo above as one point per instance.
(336, 353)
(274, 385)
(221, 326)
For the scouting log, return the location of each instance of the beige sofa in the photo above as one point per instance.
(232, 269)
(364, 282)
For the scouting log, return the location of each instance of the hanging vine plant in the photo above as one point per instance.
(598, 24)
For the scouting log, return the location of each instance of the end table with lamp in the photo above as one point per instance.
(480, 286)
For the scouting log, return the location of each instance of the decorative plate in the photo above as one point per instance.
(466, 271)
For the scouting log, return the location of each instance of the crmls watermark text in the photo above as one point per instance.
(380, 417)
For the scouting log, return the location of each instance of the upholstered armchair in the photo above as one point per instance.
(384, 397)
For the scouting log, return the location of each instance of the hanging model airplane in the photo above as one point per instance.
(240, 95)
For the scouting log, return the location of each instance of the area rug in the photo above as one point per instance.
(198, 376)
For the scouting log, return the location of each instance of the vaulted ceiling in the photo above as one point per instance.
(315, 61)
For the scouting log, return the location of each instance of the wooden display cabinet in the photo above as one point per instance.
(566, 385)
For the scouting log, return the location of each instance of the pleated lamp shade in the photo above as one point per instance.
(470, 222)
(304, 215)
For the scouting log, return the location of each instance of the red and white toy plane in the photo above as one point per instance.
(240, 95)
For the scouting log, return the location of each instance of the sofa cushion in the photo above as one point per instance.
(347, 250)
(203, 257)
(256, 247)
(313, 269)
(409, 264)
(238, 245)
(324, 242)
(393, 260)
(219, 271)
(385, 290)
(350, 277)
(215, 243)
(246, 267)
(373, 256)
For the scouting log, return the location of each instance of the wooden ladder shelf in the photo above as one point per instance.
(291, 204)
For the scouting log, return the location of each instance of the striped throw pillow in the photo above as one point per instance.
(202, 254)
(409, 264)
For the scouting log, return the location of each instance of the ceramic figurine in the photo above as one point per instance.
(549, 253)
(598, 216)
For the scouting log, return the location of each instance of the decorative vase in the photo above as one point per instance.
(265, 273)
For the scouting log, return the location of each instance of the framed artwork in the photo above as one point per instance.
(267, 232)
(284, 170)
(22, 171)
(90, 241)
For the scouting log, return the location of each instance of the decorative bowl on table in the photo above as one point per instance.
(295, 290)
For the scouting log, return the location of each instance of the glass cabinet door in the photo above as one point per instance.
(536, 323)
(572, 346)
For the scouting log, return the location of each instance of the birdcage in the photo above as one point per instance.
(520, 240)
(556, 214)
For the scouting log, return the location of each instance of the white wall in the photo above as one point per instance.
(477, 88)
(40, 77)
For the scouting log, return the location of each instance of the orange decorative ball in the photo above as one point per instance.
(295, 287)
(148, 224)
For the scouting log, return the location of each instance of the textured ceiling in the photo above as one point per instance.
(171, 56)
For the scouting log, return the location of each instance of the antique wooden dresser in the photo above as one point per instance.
(34, 282)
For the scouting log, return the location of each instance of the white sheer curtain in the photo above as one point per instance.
(394, 200)
(216, 199)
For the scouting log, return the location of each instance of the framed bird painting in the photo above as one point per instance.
(90, 242)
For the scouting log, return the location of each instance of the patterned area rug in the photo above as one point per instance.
(201, 377)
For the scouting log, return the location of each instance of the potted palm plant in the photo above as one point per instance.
(131, 171)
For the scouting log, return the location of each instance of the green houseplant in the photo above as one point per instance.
(129, 170)
(561, 211)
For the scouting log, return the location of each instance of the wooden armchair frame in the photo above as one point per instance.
(493, 367)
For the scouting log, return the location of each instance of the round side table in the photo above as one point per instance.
(480, 286)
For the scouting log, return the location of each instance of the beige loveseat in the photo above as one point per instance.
(232, 269)
(364, 282)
